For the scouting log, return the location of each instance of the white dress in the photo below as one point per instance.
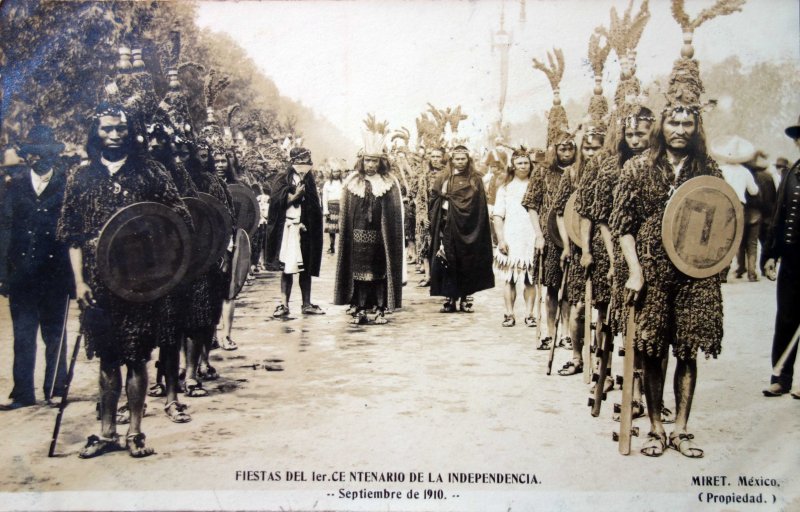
(517, 231)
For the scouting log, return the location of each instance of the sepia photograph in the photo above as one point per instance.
(399, 255)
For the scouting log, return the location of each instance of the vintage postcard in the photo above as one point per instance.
(169, 166)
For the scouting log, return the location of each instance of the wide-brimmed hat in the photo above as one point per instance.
(732, 149)
(794, 131)
(781, 161)
(40, 140)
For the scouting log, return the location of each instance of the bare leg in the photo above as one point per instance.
(552, 306)
(576, 332)
(684, 384)
(530, 299)
(110, 390)
(228, 307)
(170, 361)
(654, 391)
(510, 296)
(305, 288)
(286, 288)
(426, 266)
(136, 387)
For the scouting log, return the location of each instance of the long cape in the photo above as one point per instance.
(467, 240)
(310, 216)
(392, 233)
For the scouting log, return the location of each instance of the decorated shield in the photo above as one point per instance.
(143, 251)
(572, 221)
(702, 226)
(211, 234)
(552, 229)
(245, 208)
(240, 265)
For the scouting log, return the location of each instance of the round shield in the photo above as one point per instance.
(245, 207)
(572, 221)
(240, 264)
(552, 229)
(702, 226)
(210, 237)
(143, 251)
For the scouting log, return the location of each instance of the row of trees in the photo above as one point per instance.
(56, 56)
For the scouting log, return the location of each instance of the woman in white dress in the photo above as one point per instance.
(515, 238)
(331, 196)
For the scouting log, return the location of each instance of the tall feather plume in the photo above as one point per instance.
(597, 53)
(230, 112)
(720, 8)
(555, 70)
(637, 25)
(374, 126)
(213, 86)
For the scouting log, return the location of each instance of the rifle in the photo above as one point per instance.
(63, 404)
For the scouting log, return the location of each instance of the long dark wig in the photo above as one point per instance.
(642, 115)
(384, 167)
(696, 149)
(135, 144)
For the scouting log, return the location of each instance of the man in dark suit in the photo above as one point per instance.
(34, 267)
(783, 242)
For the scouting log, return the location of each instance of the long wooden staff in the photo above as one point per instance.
(539, 298)
(603, 354)
(554, 341)
(63, 404)
(587, 332)
(626, 412)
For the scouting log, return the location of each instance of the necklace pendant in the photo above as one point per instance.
(117, 188)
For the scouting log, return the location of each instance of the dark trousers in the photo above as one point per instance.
(746, 257)
(787, 319)
(32, 309)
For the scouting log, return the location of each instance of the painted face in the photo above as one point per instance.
(590, 146)
(371, 165)
(522, 167)
(437, 159)
(565, 153)
(638, 137)
(220, 164)
(460, 161)
(678, 129)
(113, 131)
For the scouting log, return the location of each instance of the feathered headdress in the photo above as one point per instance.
(213, 85)
(598, 105)
(557, 122)
(174, 107)
(374, 136)
(685, 86)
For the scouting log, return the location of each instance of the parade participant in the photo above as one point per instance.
(461, 244)
(515, 238)
(594, 203)
(209, 290)
(429, 171)
(369, 265)
(120, 332)
(331, 196)
(294, 232)
(782, 168)
(783, 244)
(671, 308)
(590, 144)
(540, 197)
(260, 244)
(178, 304)
(35, 272)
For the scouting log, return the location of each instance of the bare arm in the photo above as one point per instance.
(562, 232)
(586, 235)
(499, 224)
(82, 290)
(537, 229)
(608, 242)
(635, 280)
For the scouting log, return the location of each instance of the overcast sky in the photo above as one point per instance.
(344, 59)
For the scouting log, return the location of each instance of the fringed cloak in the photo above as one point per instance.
(391, 232)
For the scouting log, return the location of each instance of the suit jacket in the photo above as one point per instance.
(773, 249)
(33, 256)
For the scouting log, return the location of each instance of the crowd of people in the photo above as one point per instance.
(460, 219)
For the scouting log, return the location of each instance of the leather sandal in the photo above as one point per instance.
(176, 412)
(570, 368)
(683, 444)
(655, 445)
(509, 321)
(136, 447)
(545, 343)
(96, 446)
